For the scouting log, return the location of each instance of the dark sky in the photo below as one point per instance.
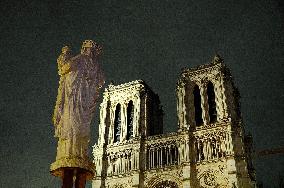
(149, 40)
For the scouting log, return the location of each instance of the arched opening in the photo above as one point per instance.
(197, 106)
(117, 123)
(211, 103)
(130, 114)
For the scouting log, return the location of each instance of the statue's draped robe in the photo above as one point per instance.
(77, 95)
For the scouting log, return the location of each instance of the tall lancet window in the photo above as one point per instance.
(130, 114)
(211, 103)
(197, 106)
(117, 123)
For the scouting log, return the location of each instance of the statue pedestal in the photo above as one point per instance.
(57, 168)
(72, 164)
(73, 171)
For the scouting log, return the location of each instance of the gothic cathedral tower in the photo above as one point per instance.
(208, 108)
(209, 149)
(128, 114)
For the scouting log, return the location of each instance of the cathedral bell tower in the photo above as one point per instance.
(128, 114)
(209, 149)
(208, 108)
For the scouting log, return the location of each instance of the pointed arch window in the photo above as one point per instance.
(117, 123)
(130, 115)
(197, 106)
(211, 102)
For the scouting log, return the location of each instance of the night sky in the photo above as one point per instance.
(149, 40)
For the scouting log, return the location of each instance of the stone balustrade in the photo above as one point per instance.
(215, 146)
(166, 150)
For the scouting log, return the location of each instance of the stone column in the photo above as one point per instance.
(181, 106)
(187, 150)
(111, 126)
(198, 151)
(167, 155)
(204, 149)
(218, 97)
(127, 162)
(224, 97)
(170, 154)
(123, 163)
(132, 160)
(136, 118)
(123, 125)
(204, 104)
(209, 153)
(161, 156)
(103, 113)
(135, 158)
(152, 157)
(149, 158)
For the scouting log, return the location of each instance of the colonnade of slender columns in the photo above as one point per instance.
(213, 148)
(162, 156)
(123, 117)
(185, 102)
(120, 164)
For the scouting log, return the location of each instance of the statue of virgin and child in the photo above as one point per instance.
(81, 79)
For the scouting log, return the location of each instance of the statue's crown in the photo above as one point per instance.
(88, 44)
(217, 59)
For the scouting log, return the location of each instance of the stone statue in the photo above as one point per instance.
(80, 81)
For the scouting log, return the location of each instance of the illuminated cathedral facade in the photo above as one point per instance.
(209, 149)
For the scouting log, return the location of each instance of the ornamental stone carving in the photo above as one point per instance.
(164, 180)
(211, 178)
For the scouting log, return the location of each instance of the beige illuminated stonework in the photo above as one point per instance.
(208, 150)
(80, 81)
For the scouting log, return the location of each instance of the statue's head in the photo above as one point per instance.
(89, 47)
(65, 50)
